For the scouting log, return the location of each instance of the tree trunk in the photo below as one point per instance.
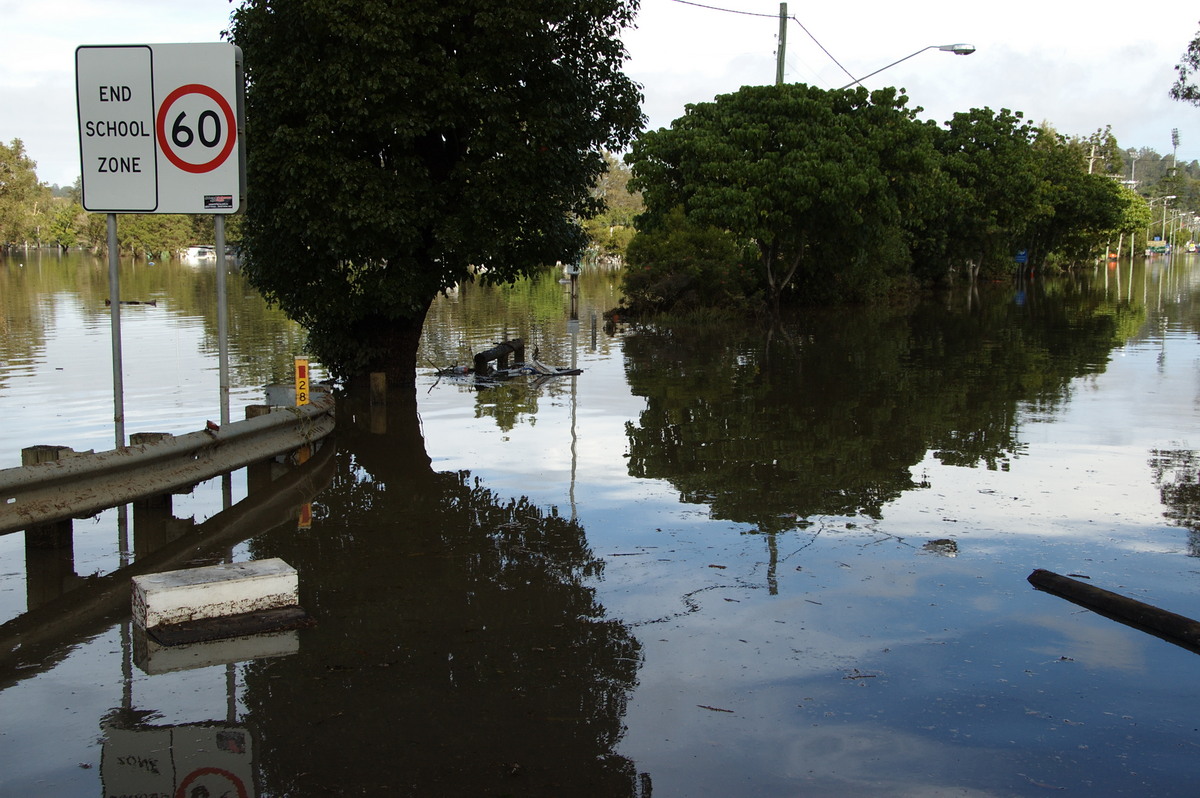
(392, 344)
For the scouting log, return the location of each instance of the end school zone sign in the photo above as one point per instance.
(160, 127)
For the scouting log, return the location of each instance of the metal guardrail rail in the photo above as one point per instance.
(84, 484)
(37, 640)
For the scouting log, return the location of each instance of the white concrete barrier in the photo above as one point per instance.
(214, 591)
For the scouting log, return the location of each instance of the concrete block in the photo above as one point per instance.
(214, 591)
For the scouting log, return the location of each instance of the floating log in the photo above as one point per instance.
(1173, 628)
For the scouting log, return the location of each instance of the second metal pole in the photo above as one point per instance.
(222, 318)
(114, 294)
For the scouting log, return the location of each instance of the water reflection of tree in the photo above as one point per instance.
(262, 339)
(459, 649)
(1177, 474)
(827, 415)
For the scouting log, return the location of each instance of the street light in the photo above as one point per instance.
(957, 49)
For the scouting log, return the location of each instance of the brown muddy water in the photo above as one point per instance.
(724, 561)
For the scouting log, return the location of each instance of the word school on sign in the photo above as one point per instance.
(121, 129)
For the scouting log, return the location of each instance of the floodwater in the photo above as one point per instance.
(734, 560)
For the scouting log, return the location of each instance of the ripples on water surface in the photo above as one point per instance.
(722, 561)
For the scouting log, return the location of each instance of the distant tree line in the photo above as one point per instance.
(35, 215)
(794, 194)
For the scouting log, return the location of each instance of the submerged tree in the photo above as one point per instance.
(393, 146)
(810, 177)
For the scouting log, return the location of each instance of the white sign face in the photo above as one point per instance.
(158, 128)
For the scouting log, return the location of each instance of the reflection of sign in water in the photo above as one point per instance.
(209, 783)
(177, 762)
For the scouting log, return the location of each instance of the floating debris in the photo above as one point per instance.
(943, 546)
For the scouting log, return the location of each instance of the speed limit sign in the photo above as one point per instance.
(160, 127)
(203, 128)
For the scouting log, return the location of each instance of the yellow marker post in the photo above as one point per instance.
(301, 381)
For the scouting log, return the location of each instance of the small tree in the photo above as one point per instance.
(990, 158)
(611, 229)
(681, 266)
(20, 194)
(1185, 88)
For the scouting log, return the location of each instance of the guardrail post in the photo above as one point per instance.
(49, 548)
(259, 475)
(151, 514)
(46, 453)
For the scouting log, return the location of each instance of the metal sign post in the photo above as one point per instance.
(222, 318)
(114, 292)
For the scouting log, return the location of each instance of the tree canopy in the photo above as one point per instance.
(395, 148)
(1185, 88)
(847, 196)
(796, 170)
(24, 201)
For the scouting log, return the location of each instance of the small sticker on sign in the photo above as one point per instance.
(218, 202)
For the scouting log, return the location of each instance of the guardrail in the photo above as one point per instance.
(84, 484)
(38, 639)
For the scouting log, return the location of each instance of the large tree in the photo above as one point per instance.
(816, 180)
(395, 144)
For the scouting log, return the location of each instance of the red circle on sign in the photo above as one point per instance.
(225, 774)
(160, 127)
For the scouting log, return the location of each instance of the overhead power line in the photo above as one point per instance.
(791, 17)
(814, 38)
(727, 10)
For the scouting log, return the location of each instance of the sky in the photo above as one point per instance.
(1075, 66)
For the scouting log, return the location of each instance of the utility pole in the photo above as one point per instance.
(782, 44)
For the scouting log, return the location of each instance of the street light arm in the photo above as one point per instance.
(957, 49)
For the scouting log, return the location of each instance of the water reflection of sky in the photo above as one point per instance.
(838, 658)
